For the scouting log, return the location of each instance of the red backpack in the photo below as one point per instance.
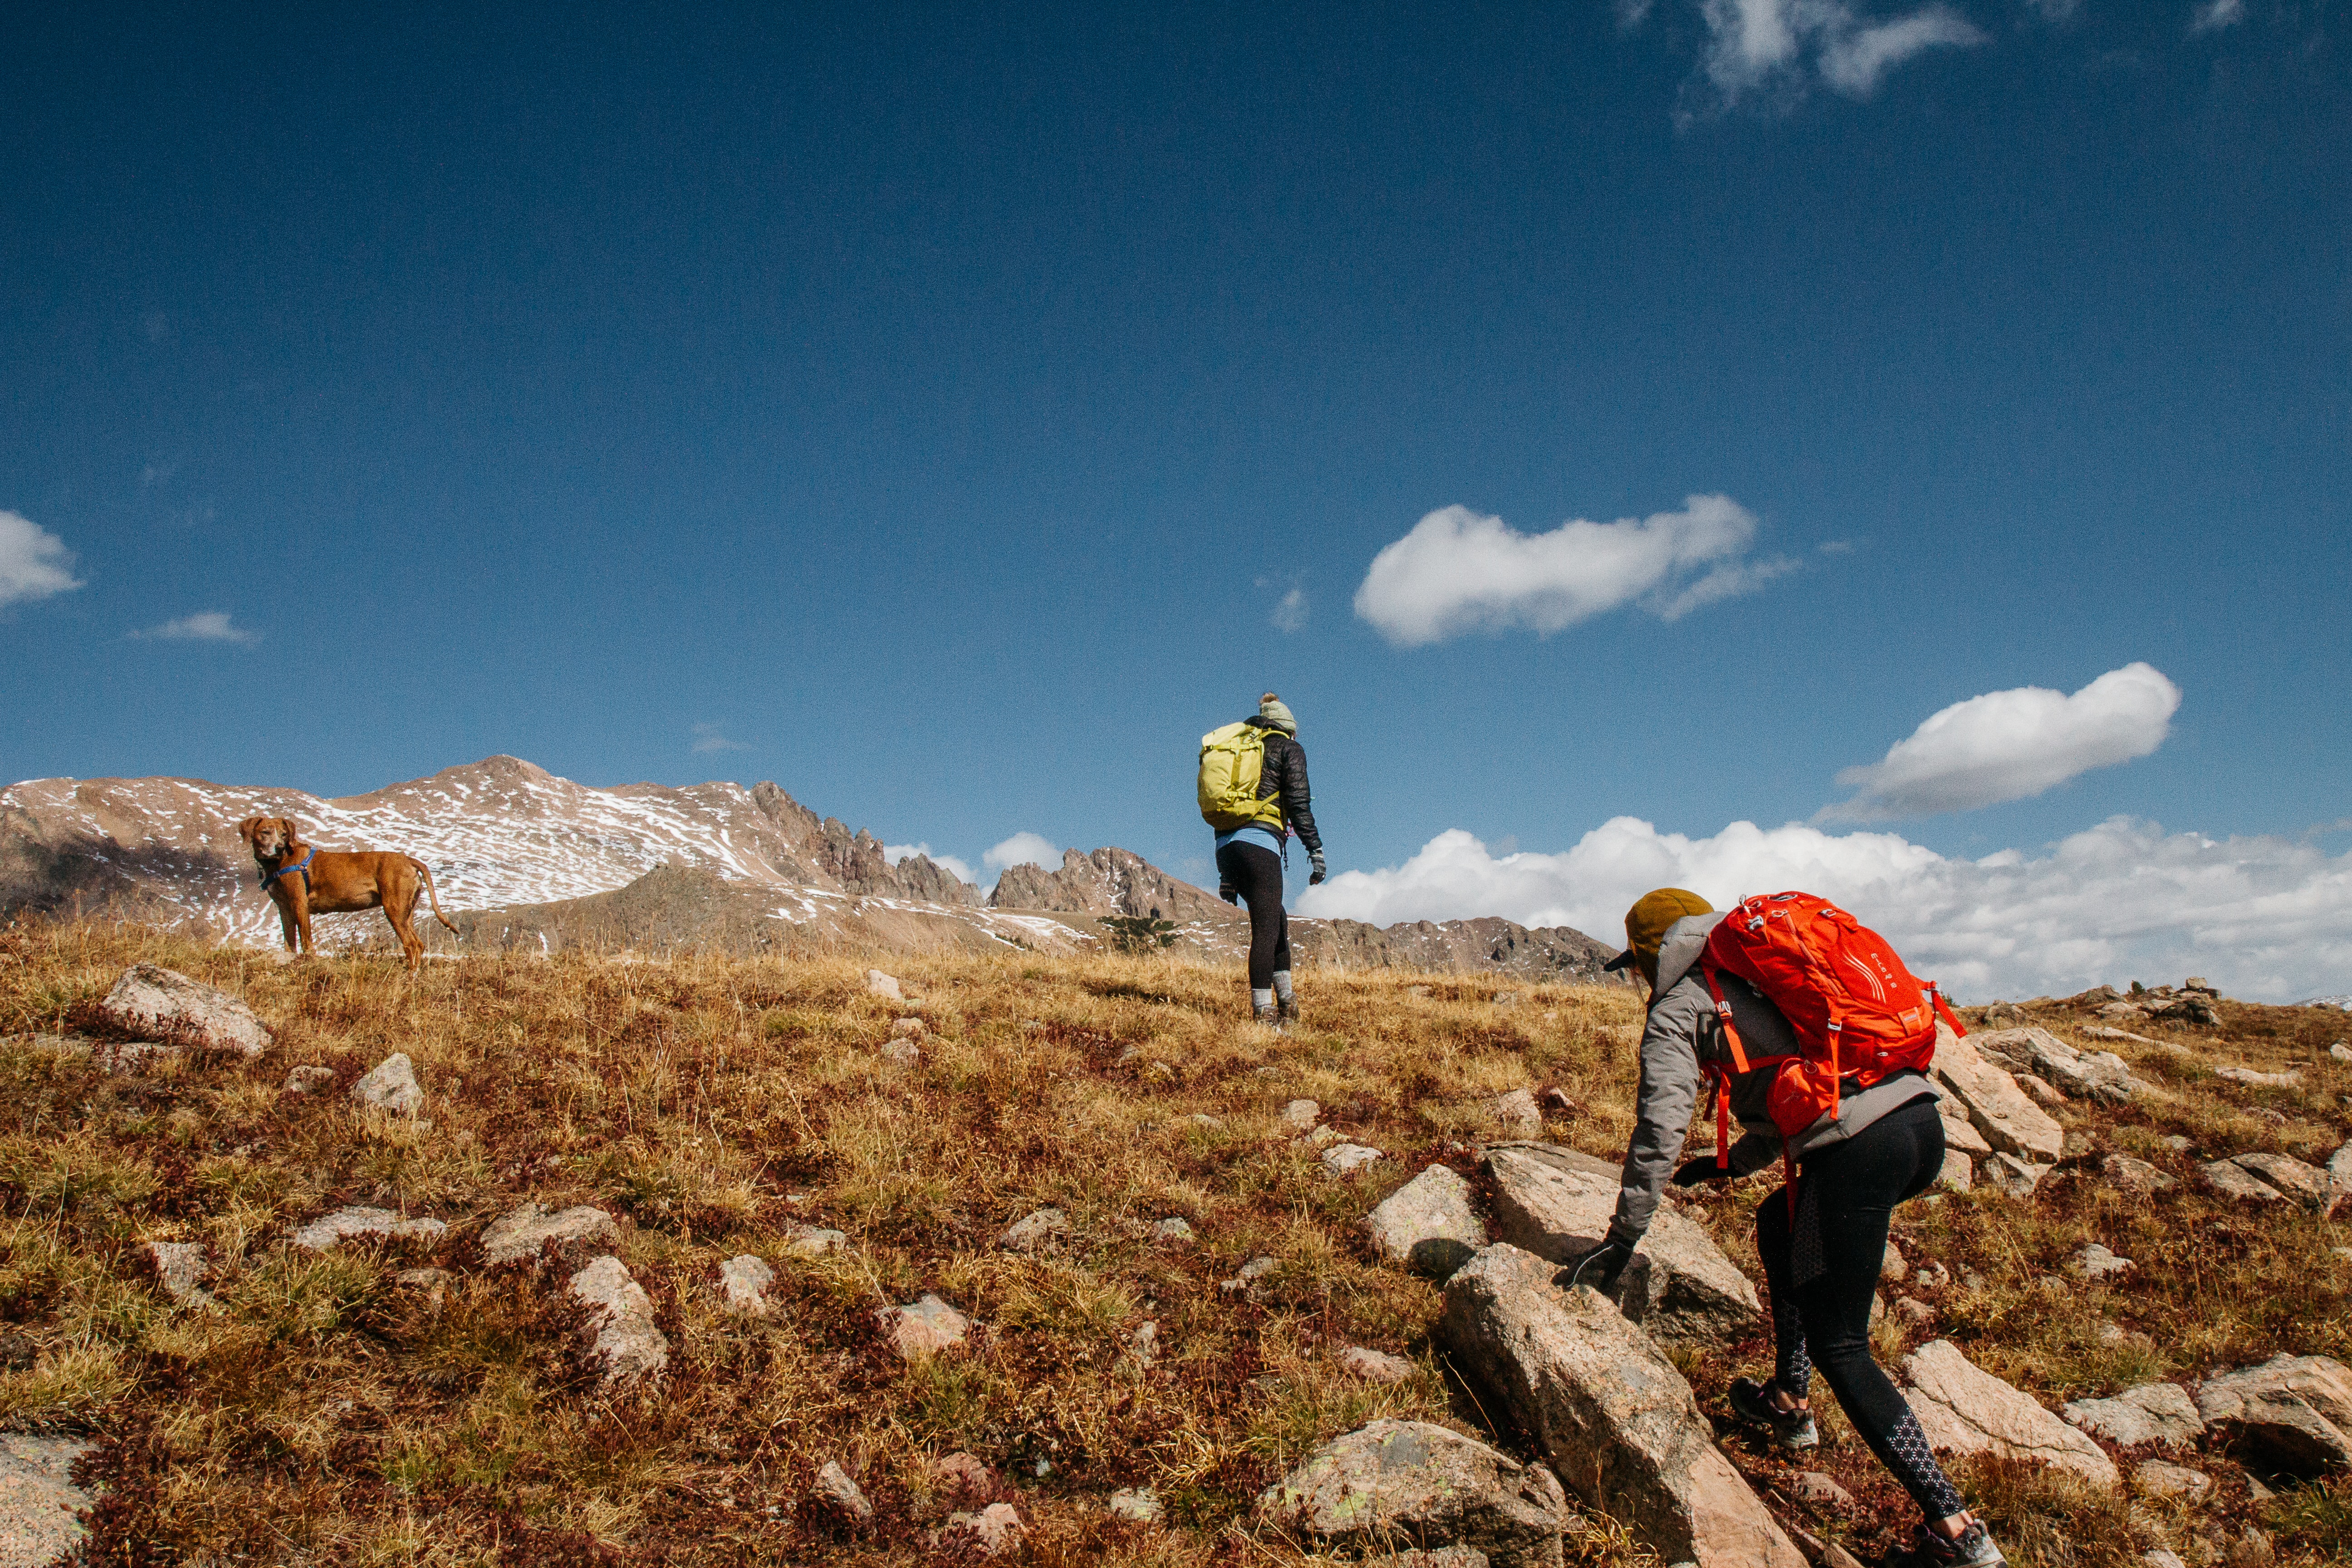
(1858, 1013)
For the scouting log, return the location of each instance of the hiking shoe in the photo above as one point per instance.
(1974, 1548)
(1285, 1010)
(1752, 1402)
(1270, 1014)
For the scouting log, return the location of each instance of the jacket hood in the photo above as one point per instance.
(1678, 953)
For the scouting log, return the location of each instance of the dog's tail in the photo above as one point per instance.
(426, 872)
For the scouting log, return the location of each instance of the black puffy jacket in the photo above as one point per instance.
(1285, 774)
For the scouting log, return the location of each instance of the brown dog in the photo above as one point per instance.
(304, 882)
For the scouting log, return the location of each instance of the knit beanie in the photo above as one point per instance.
(1271, 709)
(1646, 924)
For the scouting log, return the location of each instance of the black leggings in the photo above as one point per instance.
(1823, 1267)
(1255, 872)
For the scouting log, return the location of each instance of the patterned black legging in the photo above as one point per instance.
(1823, 1268)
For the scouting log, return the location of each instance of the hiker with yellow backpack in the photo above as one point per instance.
(1253, 791)
(1802, 1025)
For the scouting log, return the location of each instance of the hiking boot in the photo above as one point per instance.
(1974, 1548)
(1286, 1011)
(1752, 1402)
(1270, 1014)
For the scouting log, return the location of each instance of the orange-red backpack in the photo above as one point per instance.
(1856, 1012)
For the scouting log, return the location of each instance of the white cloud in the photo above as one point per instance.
(2262, 918)
(706, 737)
(1458, 572)
(1031, 848)
(2216, 15)
(894, 853)
(1290, 614)
(1754, 45)
(33, 562)
(2007, 745)
(206, 626)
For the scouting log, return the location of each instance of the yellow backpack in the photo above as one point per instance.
(1232, 761)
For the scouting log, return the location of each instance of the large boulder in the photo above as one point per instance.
(2296, 1409)
(153, 1002)
(40, 1508)
(1965, 1410)
(1427, 1225)
(2152, 1413)
(1610, 1411)
(1397, 1484)
(1997, 1108)
(1679, 1287)
(2102, 1076)
(391, 1087)
(2307, 1184)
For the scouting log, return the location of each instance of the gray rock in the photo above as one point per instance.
(908, 1029)
(1300, 1115)
(1514, 1114)
(1892, 1270)
(2254, 1079)
(1608, 1409)
(2136, 1175)
(2159, 1480)
(1957, 1176)
(1346, 1159)
(2101, 1076)
(2008, 1173)
(530, 1229)
(2039, 1092)
(2160, 1557)
(151, 1003)
(39, 1505)
(179, 1270)
(743, 1284)
(1138, 1505)
(390, 1087)
(1410, 1483)
(923, 1328)
(308, 1079)
(1427, 1223)
(2339, 1168)
(2232, 1180)
(2152, 1413)
(1915, 1313)
(1455, 1556)
(1679, 1286)
(2296, 1409)
(881, 984)
(1175, 1227)
(839, 1495)
(621, 1318)
(1960, 1132)
(1820, 1491)
(901, 1053)
(812, 1241)
(2340, 1051)
(322, 1234)
(2094, 1263)
(1997, 1108)
(1965, 1410)
(992, 1531)
(1144, 1344)
(2308, 1185)
(1376, 1366)
(1245, 1279)
(1036, 1232)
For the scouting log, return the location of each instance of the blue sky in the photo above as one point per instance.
(933, 412)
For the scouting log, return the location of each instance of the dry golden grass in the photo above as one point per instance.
(321, 1411)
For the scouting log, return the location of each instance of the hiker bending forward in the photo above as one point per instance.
(1249, 860)
(1822, 1261)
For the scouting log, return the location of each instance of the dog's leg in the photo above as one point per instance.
(298, 898)
(400, 909)
(286, 919)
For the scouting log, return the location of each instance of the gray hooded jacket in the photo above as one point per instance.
(1683, 1036)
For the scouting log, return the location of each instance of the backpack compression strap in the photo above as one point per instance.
(1723, 1080)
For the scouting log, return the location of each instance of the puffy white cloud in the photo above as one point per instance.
(206, 626)
(1758, 44)
(2263, 917)
(2216, 15)
(1023, 847)
(1290, 613)
(2007, 745)
(1458, 572)
(707, 738)
(33, 562)
(894, 853)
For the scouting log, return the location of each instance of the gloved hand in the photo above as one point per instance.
(1691, 1173)
(1225, 891)
(1599, 1266)
(1314, 859)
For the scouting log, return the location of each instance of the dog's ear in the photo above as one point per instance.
(293, 829)
(244, 829)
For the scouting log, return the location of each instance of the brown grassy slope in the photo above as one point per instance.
(326, 1412)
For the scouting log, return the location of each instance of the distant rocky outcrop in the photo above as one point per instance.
(1108, 882)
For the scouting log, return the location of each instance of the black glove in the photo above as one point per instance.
(1599, 1266)
(1225, 891)
(1691, 1173)
(1314, 859)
